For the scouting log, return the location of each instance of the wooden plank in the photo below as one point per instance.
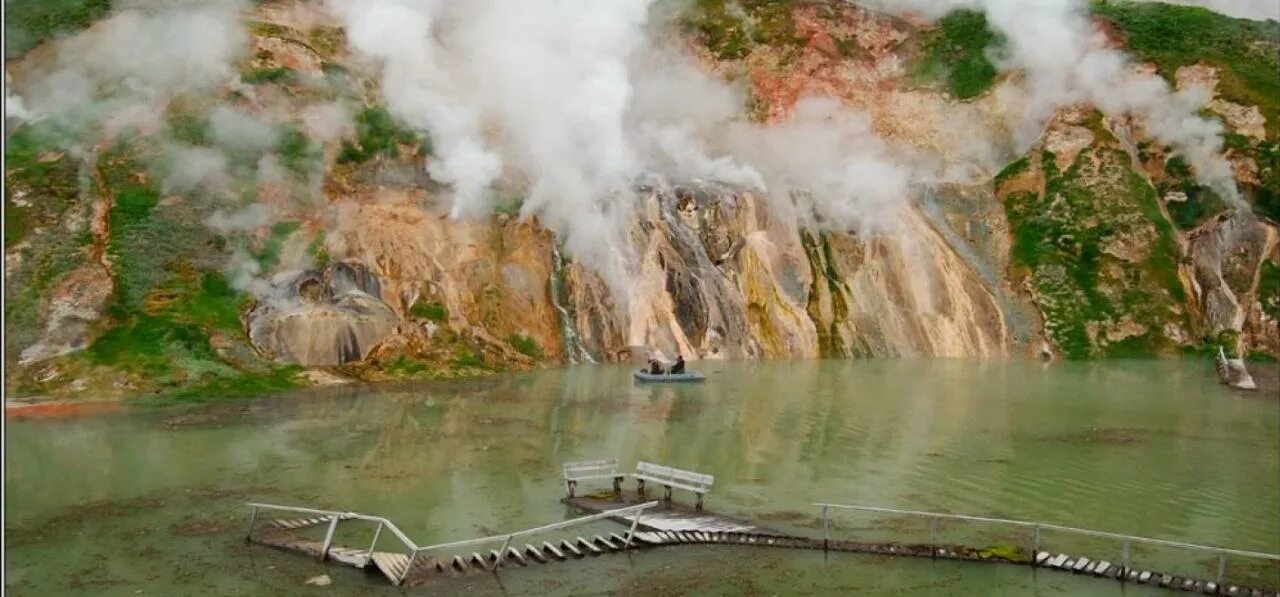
(570, 549)
(553, 550)
(535, 553)
(589, 546)
(607, 543)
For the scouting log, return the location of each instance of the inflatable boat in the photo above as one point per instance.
(670, 377)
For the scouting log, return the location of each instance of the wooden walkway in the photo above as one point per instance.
(660, 525)
(667, 516)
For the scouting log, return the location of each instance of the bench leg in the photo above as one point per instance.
(667, 497)
(570, 486)
(640, 487)
(617, 486)
(698, 506)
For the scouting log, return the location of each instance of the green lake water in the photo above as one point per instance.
(150, 501)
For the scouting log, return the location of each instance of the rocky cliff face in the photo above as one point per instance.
(1094, 243)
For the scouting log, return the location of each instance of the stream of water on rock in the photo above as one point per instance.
(150, 501)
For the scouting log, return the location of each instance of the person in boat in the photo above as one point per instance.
(655, 366)
(678, 368)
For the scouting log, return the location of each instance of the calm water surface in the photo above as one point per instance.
(151, 500)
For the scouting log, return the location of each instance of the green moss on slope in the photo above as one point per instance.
(955, 53)
(1246, 53)
(1099, 255)
(29, 22)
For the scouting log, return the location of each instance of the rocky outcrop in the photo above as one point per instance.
(325, 317)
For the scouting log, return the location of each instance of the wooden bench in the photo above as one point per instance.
(591, 469)
(670, 477)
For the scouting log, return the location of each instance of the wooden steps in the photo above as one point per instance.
(302, 523)
(392, 565)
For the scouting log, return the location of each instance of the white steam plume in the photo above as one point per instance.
(1066, 61)
(579, 98)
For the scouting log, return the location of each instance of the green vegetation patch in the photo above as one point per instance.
(526, 345)
(46, 225)
(379, 134)
(1100, 255)
(1269, 289)
(1266, 201)
(731, 34)
(281, 75)
(41, 182)
(1202, 203)
(29, 22)
(298, 153)
(955, 54)
(429, 310)
(269, 256)
(1246, 53)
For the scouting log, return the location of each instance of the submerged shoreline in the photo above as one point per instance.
(39, 407)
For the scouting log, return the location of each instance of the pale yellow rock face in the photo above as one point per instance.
(490, 276)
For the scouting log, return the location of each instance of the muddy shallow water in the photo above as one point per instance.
(151, 501)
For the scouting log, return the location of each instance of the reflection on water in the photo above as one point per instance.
(1149, 448)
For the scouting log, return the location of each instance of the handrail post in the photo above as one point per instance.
(408, 567)
(826, 533)
(502, 552)
(933, 537)
(635, 521)
(1035, 548)
(1222, 566)
(1124, 555)
(328, 537)
(253, 517)
(376, 533)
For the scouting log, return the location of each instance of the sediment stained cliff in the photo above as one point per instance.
(331, 254)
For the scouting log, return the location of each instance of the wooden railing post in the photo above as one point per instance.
(1124, 556)
(502, 553)
(1035, 545)
(632, 531)
(826, 531)
(376, 533)
(328, 537)
(933, 537)
(408, 567)
(1222, 566)
(253, 517)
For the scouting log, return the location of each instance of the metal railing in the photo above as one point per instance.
(638, 509)
(383, 523)
(1037, 527)
(334, 518)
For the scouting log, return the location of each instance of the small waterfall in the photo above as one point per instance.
(573, 348)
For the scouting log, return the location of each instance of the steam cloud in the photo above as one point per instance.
(1066, 61)
(579, 98)
(582, 98)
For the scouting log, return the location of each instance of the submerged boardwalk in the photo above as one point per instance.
(665, 523)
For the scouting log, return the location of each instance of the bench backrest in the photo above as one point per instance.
(687, 479)
(585, 468)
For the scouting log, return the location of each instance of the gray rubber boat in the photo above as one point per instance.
(687, 376)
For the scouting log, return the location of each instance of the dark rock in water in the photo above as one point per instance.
(324, 317)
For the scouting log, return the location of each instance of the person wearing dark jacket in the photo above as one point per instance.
(655, 367)
(679, 366)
